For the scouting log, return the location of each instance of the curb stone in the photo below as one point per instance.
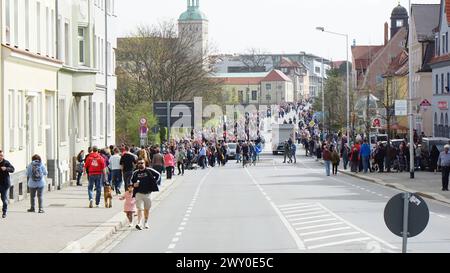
(106, 230)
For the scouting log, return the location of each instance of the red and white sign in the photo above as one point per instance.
(443, 105)
(425, 103)
(376, 123)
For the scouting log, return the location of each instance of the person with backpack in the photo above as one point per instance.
(5, 183)
(36, 173)
(95, 165)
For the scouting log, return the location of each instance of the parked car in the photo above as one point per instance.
(427, 144)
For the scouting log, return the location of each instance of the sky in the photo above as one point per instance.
(274, 26)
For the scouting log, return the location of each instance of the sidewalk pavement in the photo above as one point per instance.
(425, 184)
(68, 224)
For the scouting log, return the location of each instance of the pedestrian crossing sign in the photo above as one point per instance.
(312, 123)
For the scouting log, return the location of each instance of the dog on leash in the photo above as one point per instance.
(108, 194)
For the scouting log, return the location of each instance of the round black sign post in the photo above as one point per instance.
(406, 215)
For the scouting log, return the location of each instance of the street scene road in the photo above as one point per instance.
(274, 207)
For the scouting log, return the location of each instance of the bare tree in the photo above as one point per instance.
(254, 60)
(162, 66)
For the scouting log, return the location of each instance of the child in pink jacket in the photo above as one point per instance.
(130, 204)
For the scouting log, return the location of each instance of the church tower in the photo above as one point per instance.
(399, 19)
(193, 24)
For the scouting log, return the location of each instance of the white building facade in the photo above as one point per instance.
(49, 82)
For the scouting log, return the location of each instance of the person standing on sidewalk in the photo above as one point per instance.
(95, 164)
(127, 161)
(335, 160)
(145, 182)
(5, 183)
(116, 171)
(80, 167)
(434, 156)
(181, 158)
(327, 160)
(444, 163)
(158, 163)
(36, 173)
(345, 155)
(365, 156)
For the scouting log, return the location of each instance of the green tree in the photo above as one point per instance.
(127, 123)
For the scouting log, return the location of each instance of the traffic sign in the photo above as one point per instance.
(312, 123)
(376, 123)
(406, 215)
(425, 103)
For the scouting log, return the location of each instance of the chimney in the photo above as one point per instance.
(386, 33)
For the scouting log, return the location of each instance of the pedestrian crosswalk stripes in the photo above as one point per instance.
(331, 236)
(320, 229)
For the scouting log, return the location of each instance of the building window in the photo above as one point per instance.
(12, 120)
(62, 120)
(66, 43)
(437, 84)
(82, 45)
(85, 119)
(8, 21)
(268, 86)
(317, 69)
(16, 23)
(254, 95)
(40, 109)
(442, 83)
(27, 24)
(94, 119)
(446, 42)
(109, 115)
(399, 23)
(447, 88)
(38, 27)
(102, 128)
(21, 118)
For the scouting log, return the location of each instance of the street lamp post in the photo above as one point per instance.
(348, 77)
(411, 113)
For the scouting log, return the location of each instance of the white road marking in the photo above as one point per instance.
(313, 222)
(332, 236)
(174, 240)
(305, 214)
(319, 226)
(172, 246)
(306, 210)
(380, 195)
(340, 243)
(268, 199)
(178, 234)
(308, 218)
(324, 231)
(358, 229)
(181, 228)
(441, 216)
(292, 232)
(189, 211)
(299, 207)
(183, 224)
(169, 252)
(185, 219)
(292, 205)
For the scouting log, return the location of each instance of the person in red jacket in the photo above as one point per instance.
(95, 165)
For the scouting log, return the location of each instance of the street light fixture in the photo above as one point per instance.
(348, 77)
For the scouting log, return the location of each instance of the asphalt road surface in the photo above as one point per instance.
(277, 208)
